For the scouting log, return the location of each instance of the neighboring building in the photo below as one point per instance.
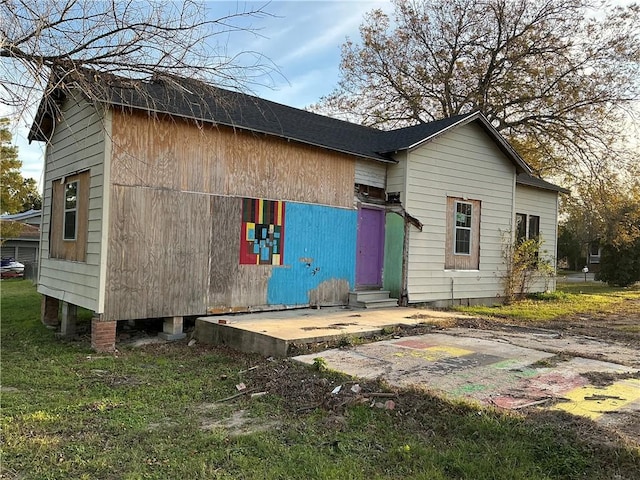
(23, 248)
(173, 198)
(594, 251)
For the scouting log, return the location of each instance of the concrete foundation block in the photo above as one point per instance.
(172, 329)
(69, 318)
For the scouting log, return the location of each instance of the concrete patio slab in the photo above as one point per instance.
(488, 371)
(271, 333)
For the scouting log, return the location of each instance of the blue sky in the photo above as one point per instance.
(302, 38)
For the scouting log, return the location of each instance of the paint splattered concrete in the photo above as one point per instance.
(507, 370)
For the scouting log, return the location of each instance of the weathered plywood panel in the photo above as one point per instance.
(319, 256)
(178, 155)
(232, 284)
(158, 253)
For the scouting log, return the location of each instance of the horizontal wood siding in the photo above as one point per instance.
(396, 176)
(464, 163)
(368, 172)
(543, 203)
(77, 145)
(177, 155)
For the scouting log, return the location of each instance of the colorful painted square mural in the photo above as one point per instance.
(262, 233)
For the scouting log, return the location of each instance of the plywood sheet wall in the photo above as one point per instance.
(177, 155)
(158, 253)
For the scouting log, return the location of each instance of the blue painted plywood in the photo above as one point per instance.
(320, 246)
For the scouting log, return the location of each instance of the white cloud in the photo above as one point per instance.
(303, 89)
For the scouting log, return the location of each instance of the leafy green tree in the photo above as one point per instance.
(554, 77)
(17, 194)
(620, 259)
(570, 247)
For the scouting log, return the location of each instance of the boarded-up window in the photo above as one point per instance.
(463, 234)
(70, 218)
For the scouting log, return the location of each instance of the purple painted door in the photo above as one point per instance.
(370, 248)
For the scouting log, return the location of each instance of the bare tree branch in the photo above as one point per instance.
(134, 38)
(558, 78)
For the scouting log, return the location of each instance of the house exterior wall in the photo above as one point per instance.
(77, 145)
(368, 172)
(543, 203)
(464, 163)
(176, 220)
(397, 176)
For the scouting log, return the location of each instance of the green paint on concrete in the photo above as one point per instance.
(505, 364)
(469, 389)
(393, 243)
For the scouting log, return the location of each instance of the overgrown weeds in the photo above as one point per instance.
(157, 412)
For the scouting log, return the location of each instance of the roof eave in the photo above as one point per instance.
(542, 185)
(377, 158)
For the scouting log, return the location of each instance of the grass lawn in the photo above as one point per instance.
(569, 299)
(152, 413)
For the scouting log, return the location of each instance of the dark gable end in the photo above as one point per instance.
(195, 100)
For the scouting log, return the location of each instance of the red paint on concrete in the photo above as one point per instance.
(417, 344)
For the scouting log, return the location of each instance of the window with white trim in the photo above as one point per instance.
(527, 227)
(69, 220)
(462, 244)
(70, 211)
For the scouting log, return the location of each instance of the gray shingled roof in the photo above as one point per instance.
(202, 102)
(531, 181)
(240, 110)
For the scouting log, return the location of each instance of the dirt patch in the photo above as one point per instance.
(239, 423)
(604, 379)
(622, 327)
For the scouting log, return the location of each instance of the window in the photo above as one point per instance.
(463, 228)
(594, 252)
(463, 234)
(70, 210)
(68, 229)
(527, 230)
(521, 227)
(534, 227)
